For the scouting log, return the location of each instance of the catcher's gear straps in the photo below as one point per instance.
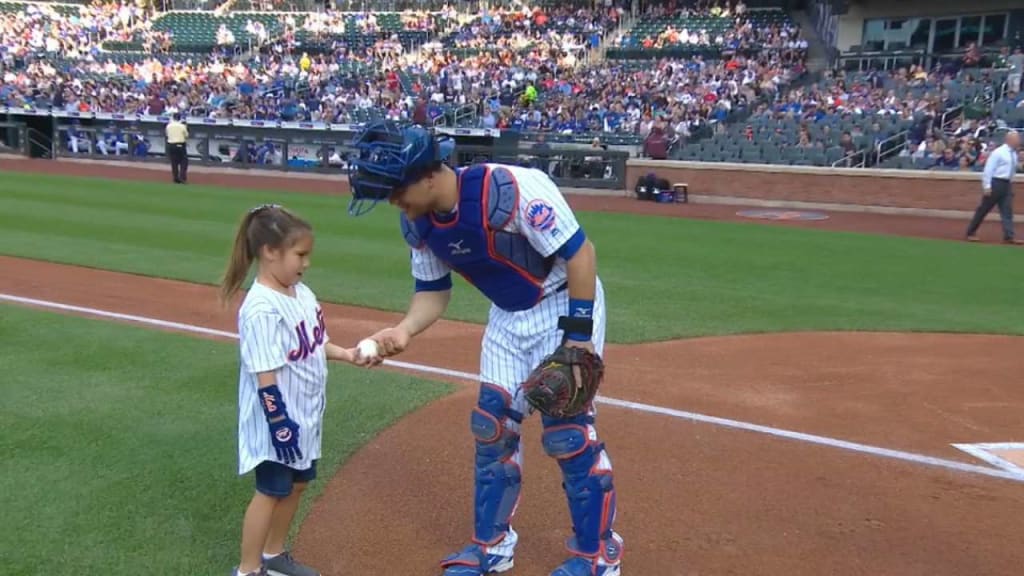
(498, 476)
(589, 489)
(491, 257)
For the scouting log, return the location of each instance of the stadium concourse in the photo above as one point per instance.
(705, 80)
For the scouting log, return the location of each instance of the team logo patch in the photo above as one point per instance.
(283, 434)
(268, 401)
(540, 215)
(307, 347)
(458, 249)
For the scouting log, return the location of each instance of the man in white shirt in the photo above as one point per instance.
(997, 188)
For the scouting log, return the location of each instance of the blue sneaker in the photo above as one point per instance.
(474, 561)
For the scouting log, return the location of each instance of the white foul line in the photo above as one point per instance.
(680, 414)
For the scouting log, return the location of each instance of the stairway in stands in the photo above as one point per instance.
(817, 52)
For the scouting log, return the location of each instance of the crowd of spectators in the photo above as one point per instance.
(331, 23)
(963, 141)
(962, 146)
(527, 66)
(741, 32)
(567, 27)
(71, 32)
(559, 92)
(216, 89)
(634, 97)
(519, 67)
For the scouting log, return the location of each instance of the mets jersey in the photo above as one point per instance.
(505, 236)
(285, 335)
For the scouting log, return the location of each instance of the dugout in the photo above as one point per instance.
(39, 135)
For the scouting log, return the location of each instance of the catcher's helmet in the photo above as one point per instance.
(389, 156)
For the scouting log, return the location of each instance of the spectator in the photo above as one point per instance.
(419, 115)
(847, 144)
(972, 57)
(948, 160)
(656, 144)
(1016, 64)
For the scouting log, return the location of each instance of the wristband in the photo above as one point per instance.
(579, 308)
(579, 324)
(271, 401)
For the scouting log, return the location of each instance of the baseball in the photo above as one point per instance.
(367, 348)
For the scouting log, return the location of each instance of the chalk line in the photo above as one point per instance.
(984, 451)
(913, 457)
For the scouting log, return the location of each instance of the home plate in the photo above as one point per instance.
(1014, 456)
(1007, 456)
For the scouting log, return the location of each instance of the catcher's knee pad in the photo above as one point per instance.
(590, 490)
(498, 476)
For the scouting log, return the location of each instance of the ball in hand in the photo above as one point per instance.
(367, 348)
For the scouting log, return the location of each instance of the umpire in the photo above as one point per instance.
(997, 188)
(177, 135)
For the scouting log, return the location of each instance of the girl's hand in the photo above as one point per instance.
(339, 354)
(365, 361)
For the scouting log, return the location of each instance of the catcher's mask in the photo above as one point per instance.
(389, 157)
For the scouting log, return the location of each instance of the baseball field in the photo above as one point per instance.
(800, 398)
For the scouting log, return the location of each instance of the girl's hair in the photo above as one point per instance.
(266, 225)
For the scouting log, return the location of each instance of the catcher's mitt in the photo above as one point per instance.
(553, 388)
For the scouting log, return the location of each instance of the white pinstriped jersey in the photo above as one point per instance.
(515, 342)
(286, 335)
(536, 191)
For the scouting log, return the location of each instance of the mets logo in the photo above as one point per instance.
(540, 215)
(269, 403)
(306, 346)
(283, 435)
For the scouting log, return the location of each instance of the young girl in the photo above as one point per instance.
(281, 399)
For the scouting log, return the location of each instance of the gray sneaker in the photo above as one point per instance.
(284, 565)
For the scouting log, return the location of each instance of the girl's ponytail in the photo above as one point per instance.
(241, 260)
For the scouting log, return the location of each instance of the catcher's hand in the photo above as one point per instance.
(565, 383)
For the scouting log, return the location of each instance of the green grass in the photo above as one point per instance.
(664, 277)
(120, 457)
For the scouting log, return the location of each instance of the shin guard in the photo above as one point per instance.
(498, 476)
(588, 487)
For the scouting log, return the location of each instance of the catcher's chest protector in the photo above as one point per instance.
(502, 265)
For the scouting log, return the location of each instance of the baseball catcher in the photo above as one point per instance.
(509, 232)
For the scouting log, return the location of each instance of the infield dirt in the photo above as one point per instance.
(694, 498)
